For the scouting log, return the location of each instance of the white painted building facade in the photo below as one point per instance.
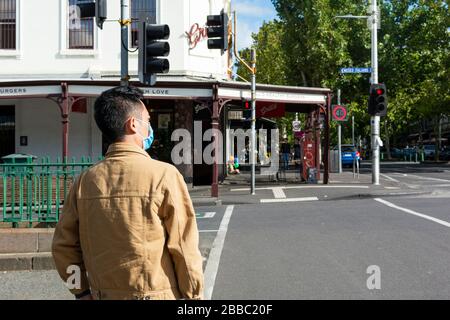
(46, 58)
(43, 45)
(39, 41)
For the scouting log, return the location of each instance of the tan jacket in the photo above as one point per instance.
(129, 224)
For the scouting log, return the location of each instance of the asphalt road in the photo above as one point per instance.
(330, 247)
(323, 250)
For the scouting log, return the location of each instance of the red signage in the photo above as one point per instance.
(79, 105)
(196, 34)
(299, 134)
(270, 109)
(339, 113)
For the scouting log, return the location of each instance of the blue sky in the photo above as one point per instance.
(251, 15)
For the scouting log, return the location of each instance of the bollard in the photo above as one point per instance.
(354, 159)
(357, 168)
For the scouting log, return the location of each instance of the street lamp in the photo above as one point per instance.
(375, 120)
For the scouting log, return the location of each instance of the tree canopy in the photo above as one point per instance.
(308, 45)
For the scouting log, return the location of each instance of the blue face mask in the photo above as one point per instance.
(147, 142)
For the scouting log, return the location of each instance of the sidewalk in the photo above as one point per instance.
(236, 188)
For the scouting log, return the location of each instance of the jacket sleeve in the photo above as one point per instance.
(66, 248)
(183, 239)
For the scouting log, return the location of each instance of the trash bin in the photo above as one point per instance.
(18, 158)
(334, 161)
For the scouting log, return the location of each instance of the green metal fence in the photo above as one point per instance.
(35, 192)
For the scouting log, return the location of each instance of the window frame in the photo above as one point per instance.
(130, 37)
(64, 38)
(17, 52)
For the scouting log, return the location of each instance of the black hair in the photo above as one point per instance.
(114, 107)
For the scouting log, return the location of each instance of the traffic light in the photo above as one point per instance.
(150, 49)
(97, 9)
(378, 100)
(247, 107)
(246, 104)
(217, 31)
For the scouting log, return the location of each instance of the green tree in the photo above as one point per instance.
(309, 45)
(271, 64)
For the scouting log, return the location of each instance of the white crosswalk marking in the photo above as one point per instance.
(389, 178)
(289, 200)
(428, 178)
(278, 193)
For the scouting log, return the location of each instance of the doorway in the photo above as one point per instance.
(7, 130)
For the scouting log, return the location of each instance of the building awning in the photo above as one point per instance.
(167, 88)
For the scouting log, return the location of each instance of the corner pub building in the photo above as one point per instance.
(48, 84)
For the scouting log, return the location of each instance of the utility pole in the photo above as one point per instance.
(375, 120)
(125, 21)
(339, 134)
(252, 69)
(253, 144)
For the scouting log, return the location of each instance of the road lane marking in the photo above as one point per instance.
(327, 187)
(304, 187)
(278, 193)
(207, 215)
(422, 178)
(421, 215)
(212, 266)
(289, 200)
(429, 178)
(208, 231)
(390, 178)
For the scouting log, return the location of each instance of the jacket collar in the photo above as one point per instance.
(123, 147)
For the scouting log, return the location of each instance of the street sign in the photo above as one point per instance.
(339, 113)
(296, 126)
(235, 115)
(356, 70)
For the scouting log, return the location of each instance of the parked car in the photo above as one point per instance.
(348, 154)
(429, 150)
(396, 153)
(445, 153)
(409, 151)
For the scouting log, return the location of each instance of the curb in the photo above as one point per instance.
(27, 240)
(27, 262)
(373, 196)
(206, 201)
